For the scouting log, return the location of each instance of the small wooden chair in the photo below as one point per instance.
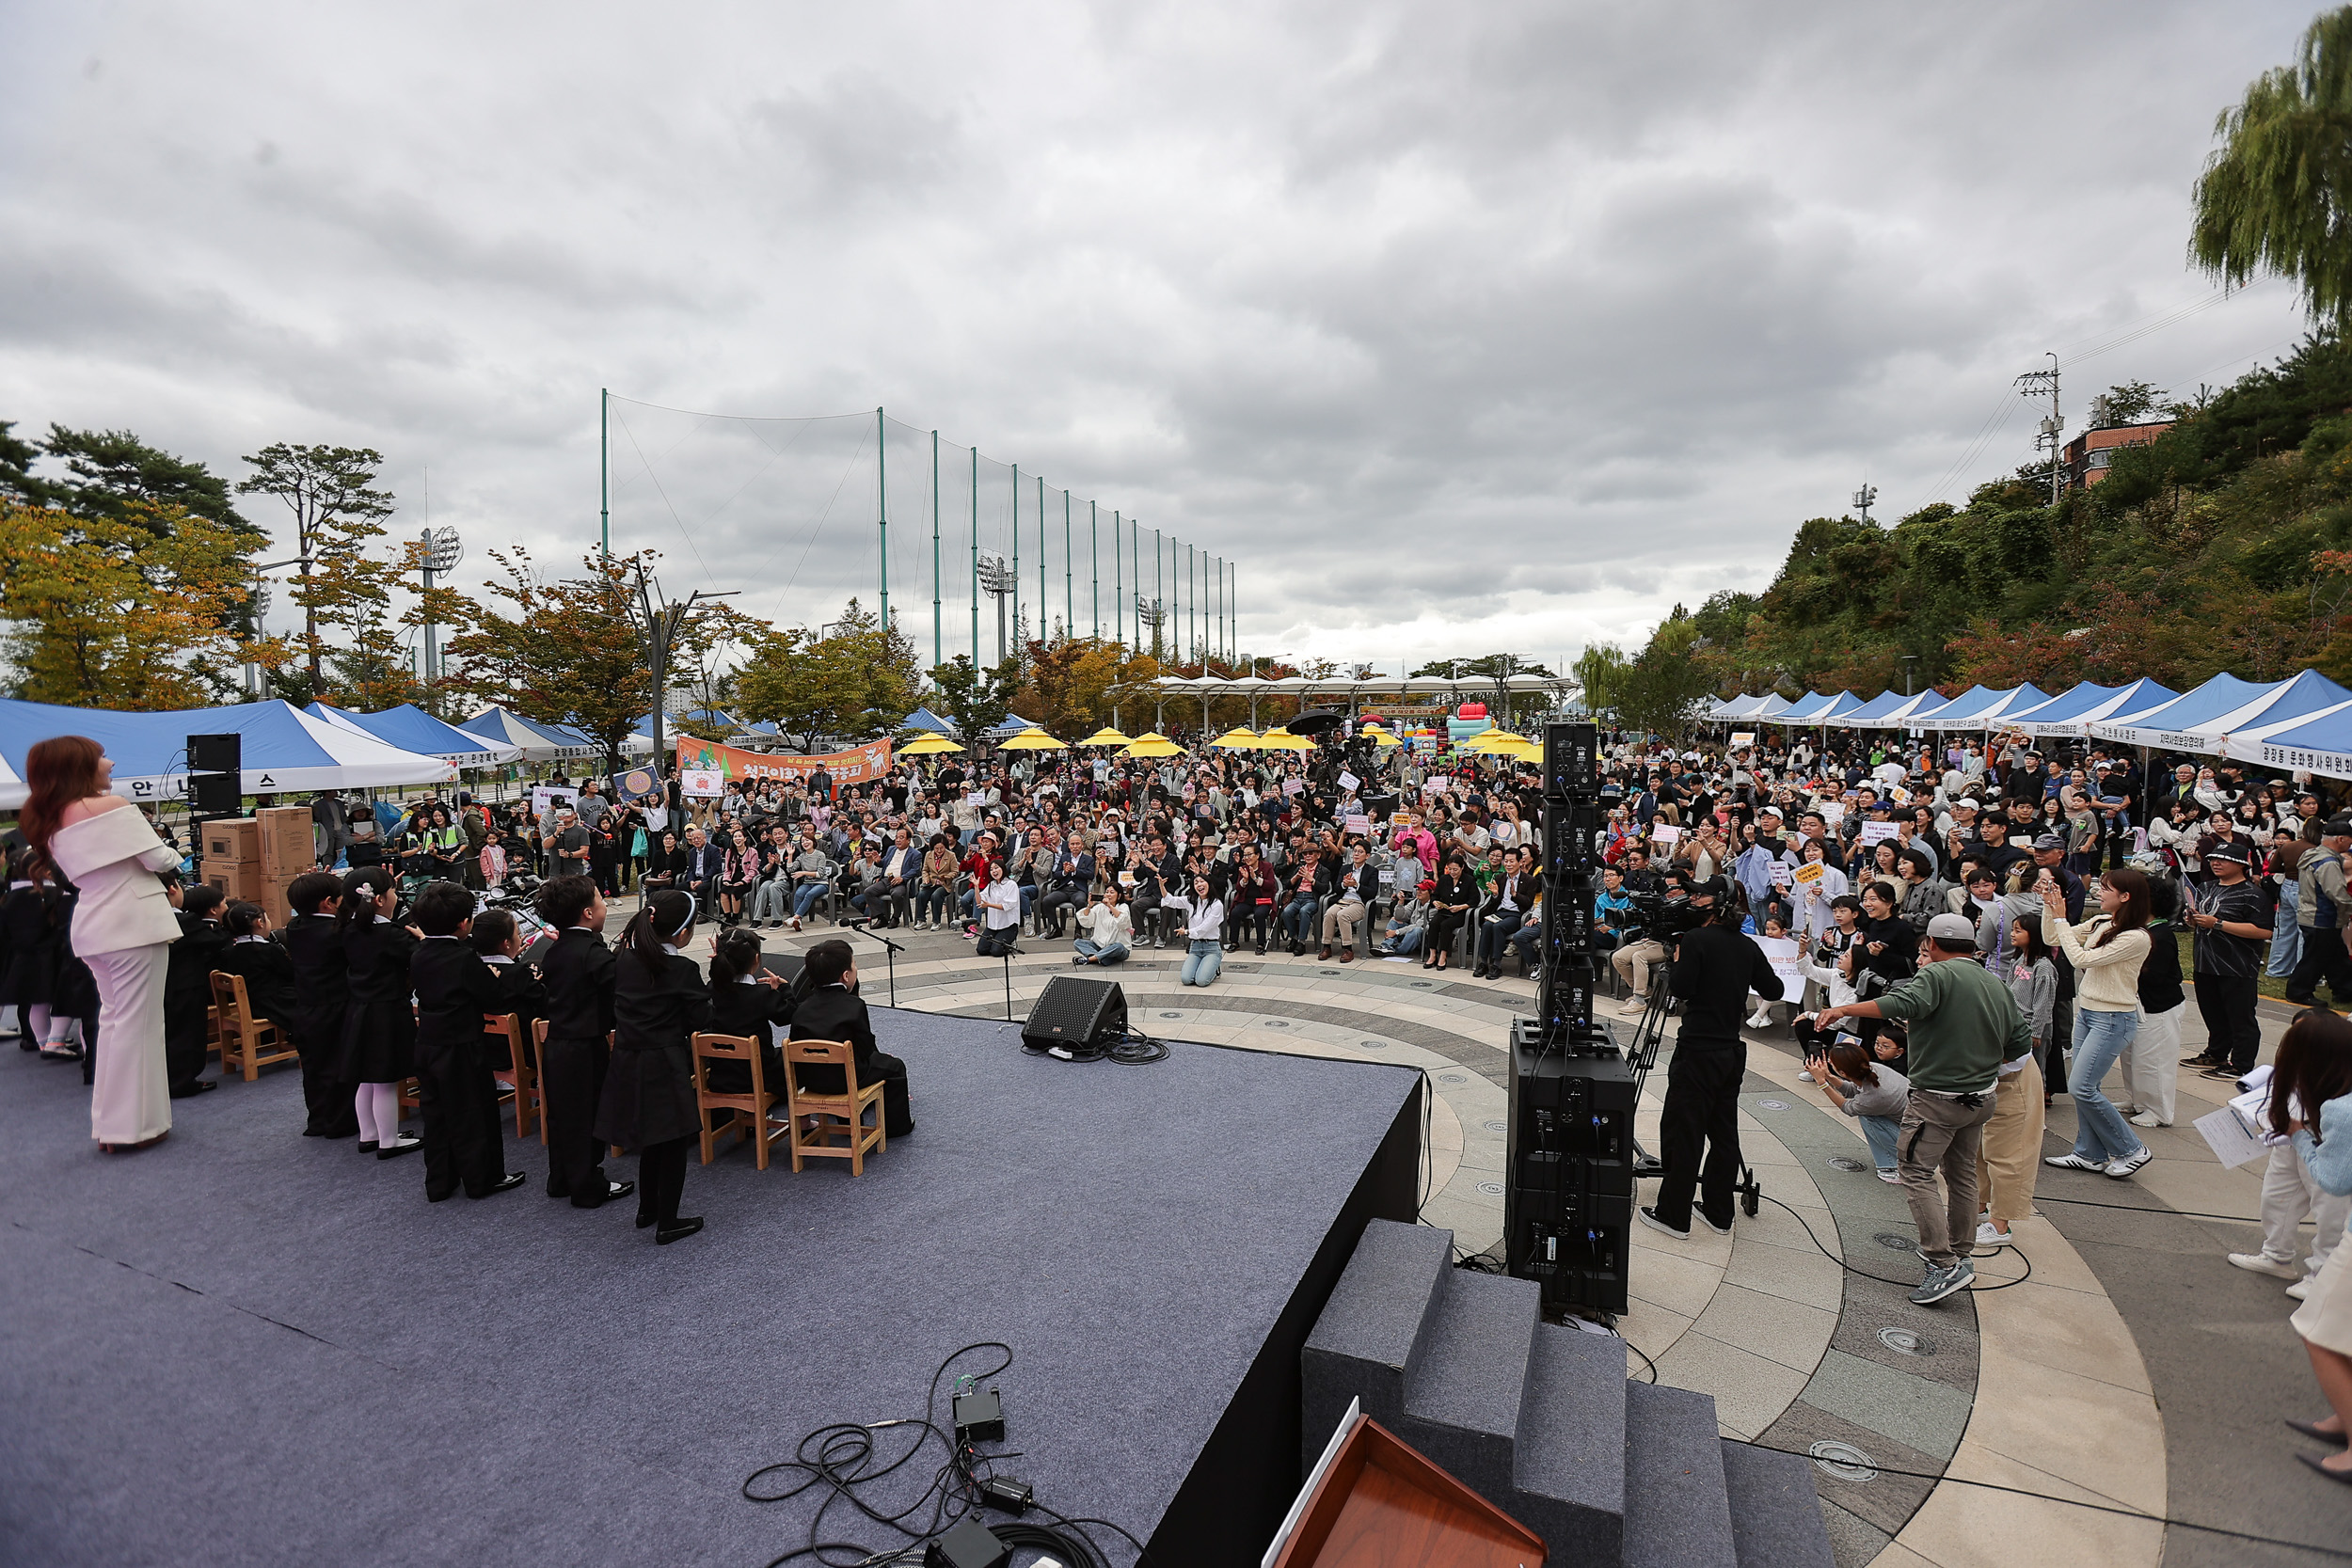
(518, 1078)
(841, 1131)
(747, 1113)
(539, 1071)
(247, 1043)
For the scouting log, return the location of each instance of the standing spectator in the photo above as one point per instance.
(2320, 897)
(2108, 957)
(2312, 1059)
(2231, 920)
(2010, 1158)
(1963, 1025)
(2152, 1066)
(2302, 1097)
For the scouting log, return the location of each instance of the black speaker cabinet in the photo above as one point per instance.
(1570, 1195)
(1571, 761)
(215, 753)
(1076, 1013)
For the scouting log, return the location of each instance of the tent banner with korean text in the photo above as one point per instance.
(863, 766)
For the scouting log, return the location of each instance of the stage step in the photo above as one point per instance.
(1541, 1421)
(1775, 1513)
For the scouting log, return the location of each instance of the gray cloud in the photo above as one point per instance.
(1456, 328)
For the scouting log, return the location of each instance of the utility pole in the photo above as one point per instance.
(1000, 580)
(2033, 384)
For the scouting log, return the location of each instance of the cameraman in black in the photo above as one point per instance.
(1714, 968)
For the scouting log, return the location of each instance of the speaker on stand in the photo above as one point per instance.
(215, 775)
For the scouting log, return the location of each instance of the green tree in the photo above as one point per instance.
(972, 699)
(565, 650)
(1600, 670)
(17, 481)
(2127, 403)
(330, 492)
(2276, 196)
(857, 682)
(114, 472)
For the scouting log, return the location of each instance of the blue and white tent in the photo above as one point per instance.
(287, 752)
(2072, 712)
(924, 719)
(2178, 725)
(412, 729)
(2308, 696)
(1867, 717)
(537, 742)
(2319, 743)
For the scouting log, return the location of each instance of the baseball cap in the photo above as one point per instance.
(2052, 841)
(1968, 802)
(1427, 885)
(2230, 852)
(2337, 826)
(1951, 932)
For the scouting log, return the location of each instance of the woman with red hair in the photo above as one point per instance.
(123, 927)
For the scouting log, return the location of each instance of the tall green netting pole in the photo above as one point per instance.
(1016, 547)
(1118, 578)
(1041, 558)
(939, 650)
(1094, 570)
(881, 488)
(1069, 579)
(604, 468)
(976, 560)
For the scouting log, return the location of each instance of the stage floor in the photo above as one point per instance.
(250, 1347)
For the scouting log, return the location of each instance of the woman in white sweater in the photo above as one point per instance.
(1105, 930)
(123, 927)
(2107, 954)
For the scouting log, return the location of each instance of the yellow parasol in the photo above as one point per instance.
(1377, 735)
(928, 746)
(1152, 743)
(1032, 739)
(1239, 738)
(1104, 736)
(1280, 739)
(1494, 740)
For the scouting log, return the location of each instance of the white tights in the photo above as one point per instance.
(379, 1105)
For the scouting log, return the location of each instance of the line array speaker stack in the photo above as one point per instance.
(216, 774)
(1570, 1204)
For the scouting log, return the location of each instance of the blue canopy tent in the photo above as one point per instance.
(539, 742)
(412, 729)
(1867, 717)
(2321, 743)
(2073, 712)
(2291, 702)
(286, 752)
(2174, 725)
(1007, 727)
(924, 719)
(1917, 711)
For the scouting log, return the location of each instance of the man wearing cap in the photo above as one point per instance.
(1715, 967)
(2320, 897)
(2231, 920)
(1966, 1030)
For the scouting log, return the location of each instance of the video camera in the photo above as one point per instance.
(1664, 919)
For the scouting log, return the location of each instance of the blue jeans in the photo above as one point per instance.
(2099, 1040)
(1407, 940)
(804, 898)
(1298, 920)
(1088, 948)
(2286, 938)
(1201, 964)
(1881, 1131)
(931, 901)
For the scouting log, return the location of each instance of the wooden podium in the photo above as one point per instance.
(1373, 1502)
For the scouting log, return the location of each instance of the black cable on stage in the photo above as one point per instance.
(1850, 1268)
(2070, 1502)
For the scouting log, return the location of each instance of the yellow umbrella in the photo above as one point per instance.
(1526, 751)
(1104, 736)
(1379, 737)
(1238, 739)
(928, 746)
(1032, 739)
(1280, 739)
(1494, 740)
(1152, 743)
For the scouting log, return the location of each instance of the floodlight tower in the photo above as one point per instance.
(998, 581)
(1153, 615)
(443, 550)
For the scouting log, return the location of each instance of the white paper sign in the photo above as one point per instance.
(1665, 833)
(1781, 953)
(700, 784)
(1294, 787)
(545, 798)
(976, 798)
(1356, 822)
(2227, 1136)
(1832, 812)
(1348, 781)
(1780, 874)
(1877, 833)
(1742, 737)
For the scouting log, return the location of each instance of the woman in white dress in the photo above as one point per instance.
(123, 927)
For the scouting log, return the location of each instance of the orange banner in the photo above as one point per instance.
(867, 763)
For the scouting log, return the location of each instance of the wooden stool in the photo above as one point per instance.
(747, 1113)
(539, 1070)
(521, 1078)
(838, 1116)
(247, 1043)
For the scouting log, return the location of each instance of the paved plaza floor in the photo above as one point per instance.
(2113, 1357)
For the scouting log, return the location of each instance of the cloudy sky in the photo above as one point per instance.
(1454, 327)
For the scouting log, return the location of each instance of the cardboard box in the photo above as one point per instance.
(288, 846)
(232, 839)
(235, 879)
(273, 902)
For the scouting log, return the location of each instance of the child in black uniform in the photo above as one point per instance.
(379, 1034)
(188, 988)
(578, 970)
(272, 989)
(32, 939)
(314, 946)
(459, 1098)
(659, 1003)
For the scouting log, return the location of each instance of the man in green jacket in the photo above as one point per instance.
(1964, 1024)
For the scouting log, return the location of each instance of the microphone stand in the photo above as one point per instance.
(890, 958)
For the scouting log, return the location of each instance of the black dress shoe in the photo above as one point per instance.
(506, 1183)
(614, 1192)
(2342, 1477)
(406, 1144)
(2311, 1430)
(644, 1219)
(366, 1145)
(189, 1091)
(677, 1231)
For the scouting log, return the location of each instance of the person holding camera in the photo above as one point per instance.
(1715, 966)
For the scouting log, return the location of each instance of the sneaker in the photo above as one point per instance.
(1633, 1006)
(2301, 1290)
(2203, 1058)
(1944, 1282)
(2149, 1118)
(2262, 1262)
(1718, 1229)
(1760, 1021)
(1987, 1238)
(1649, 1217)
(2220, 1074)
(1892, 1178)
(2130, 1163)
(1805, 1077)
(2073, 1162)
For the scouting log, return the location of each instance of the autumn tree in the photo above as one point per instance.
(562, 650)
(330, 492)
(859, 681)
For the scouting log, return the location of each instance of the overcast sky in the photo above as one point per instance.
(1455, 328)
